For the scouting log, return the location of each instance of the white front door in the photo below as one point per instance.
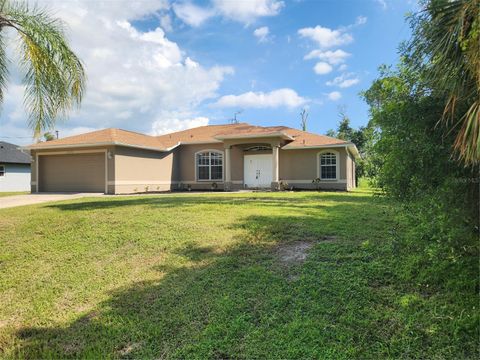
(257, 170)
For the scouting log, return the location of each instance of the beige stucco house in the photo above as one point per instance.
(228, 157)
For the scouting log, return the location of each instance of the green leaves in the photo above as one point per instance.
(53, 75)
(446, 47)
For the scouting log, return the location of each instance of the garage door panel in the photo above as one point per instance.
(72, 172)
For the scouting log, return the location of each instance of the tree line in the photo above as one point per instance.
(421, 147)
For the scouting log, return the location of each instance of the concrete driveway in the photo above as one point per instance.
(30, 199)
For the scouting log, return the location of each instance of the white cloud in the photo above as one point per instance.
(325, 37)
(334, 95)
(166, 22)
(332, 57)
(165, 126)
(322, 68)
(277, 98)
(245, 11)
(342, 67)
(261, 33)
(135, 78)
(361, 20)
(345, 80)
(192, 14)
(248, 11)
(382, 3)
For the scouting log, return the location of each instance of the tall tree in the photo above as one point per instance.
(446, 45)
(344, 131)
(361, 137)
(53, 75)
(303, 119)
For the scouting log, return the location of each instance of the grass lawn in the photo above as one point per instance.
(219, 276)
(11, 193)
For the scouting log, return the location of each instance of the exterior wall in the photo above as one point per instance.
(17, 178)
(186, 162)
(350, 171)
(110, 162)
(138, 170)
(186, 166)
(132, 170)
(298, 168)
(236, 156)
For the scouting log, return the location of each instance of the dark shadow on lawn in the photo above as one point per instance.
(165, 201)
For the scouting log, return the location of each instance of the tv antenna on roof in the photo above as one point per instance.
(234, 120)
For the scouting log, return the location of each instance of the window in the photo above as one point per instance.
(328, 166)
(2, 170)
(259, 148)
(209, 165)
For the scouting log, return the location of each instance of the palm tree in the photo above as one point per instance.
(53, 75)
(446, 40)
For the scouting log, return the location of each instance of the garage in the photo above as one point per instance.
(72, 172)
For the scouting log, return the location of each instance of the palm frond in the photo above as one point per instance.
(447, 42)
(53, 75)
(3, 67)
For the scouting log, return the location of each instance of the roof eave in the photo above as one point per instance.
(291, 147)
(253, 136)
(354, 150)
(15, 162)
(348, 145)
(213, 141)
(89, 145)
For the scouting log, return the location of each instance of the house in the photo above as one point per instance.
(228, 157)
(14, 168)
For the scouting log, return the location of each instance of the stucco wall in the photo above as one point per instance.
(16, 178)
(186, 162)
(350, 171)
(138, 170)
(300, 167)
(132, 170)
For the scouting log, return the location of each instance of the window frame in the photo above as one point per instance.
(197, 165)
(337, 164)
(4, 171)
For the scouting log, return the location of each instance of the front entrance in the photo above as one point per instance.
(257, 170)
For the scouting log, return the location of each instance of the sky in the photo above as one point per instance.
(156, 66)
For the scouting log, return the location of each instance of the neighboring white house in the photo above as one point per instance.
(14, 168)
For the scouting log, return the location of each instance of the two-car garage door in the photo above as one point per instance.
(72, 172)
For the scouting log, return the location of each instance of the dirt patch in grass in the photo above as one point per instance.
(296, 253)
(73, 347)
(129, 348)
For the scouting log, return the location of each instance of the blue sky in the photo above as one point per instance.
(157, 66)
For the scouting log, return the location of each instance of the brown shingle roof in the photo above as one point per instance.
(302, 139)
(202, 134)
(104, 137)
(211, 133)
(199, 134)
